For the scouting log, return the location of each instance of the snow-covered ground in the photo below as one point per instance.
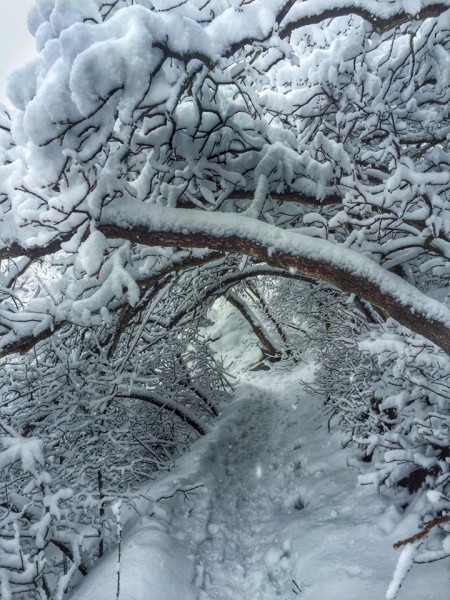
(266, 506)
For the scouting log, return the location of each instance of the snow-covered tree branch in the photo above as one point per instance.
(160, 156)
(142, 124)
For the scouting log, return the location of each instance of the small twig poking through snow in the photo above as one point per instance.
(116, 511)
(183, 491)
(296, 589)
(425, 531)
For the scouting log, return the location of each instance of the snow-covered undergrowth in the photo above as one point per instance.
(269, 503)
(266, 506)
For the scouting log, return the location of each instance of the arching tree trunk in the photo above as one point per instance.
(346, 269)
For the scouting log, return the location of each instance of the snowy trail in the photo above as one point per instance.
(275, 512)
(282, 515)
(239, 512)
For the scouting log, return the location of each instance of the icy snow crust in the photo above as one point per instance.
(279, 510)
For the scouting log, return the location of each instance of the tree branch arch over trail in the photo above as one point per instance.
(319, 259)
(323, 126)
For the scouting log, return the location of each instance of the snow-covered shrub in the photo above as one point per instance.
(88, 417)
(316, 322)
(39, 538)
(409, 436)
(397, 410)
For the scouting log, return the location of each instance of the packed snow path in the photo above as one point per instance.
(239, 513)
(282, 515)
(271, 509)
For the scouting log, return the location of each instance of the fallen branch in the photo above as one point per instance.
(425, 531)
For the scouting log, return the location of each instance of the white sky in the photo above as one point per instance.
(16, 43)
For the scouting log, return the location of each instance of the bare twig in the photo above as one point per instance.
(425, 531)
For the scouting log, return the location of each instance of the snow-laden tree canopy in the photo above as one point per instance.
(154, 135)
(161, 154)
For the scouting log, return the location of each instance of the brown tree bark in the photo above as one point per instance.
(257, 329)
(414, 317)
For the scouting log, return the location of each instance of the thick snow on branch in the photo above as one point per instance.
(332, 130)
(142, 224)
(382, 14)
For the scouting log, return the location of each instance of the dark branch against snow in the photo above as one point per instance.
(320, 259)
